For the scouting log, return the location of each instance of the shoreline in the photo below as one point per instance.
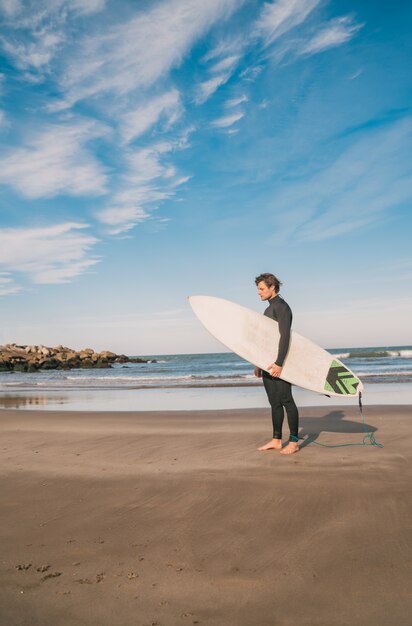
(173, 517)
(188, 399)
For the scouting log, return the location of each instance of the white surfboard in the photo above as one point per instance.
(255, 338)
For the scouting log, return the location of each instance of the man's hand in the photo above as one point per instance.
(274, 370)
(258, 372)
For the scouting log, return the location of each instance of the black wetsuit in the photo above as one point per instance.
(279, 391)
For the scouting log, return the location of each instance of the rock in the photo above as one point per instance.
(49, 364)
(121, 359)
(84, 355)
(86, 363)
(106, 354)
(21, 367)
(33, 358)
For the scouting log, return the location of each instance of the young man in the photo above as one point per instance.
(279, 391)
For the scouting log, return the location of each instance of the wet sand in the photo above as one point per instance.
(169, 518)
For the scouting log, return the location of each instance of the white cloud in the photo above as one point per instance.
(224, 48)
(35, 54)
(123, 218)
(55, 161)
(136, 122)
(10, 7)
(220, 72)
(228, 120)
(149, 178)
(86, 6)
(251, 73)
(137, 53)
(335, 33)
(228, 63)
(208, 87)
(58, 275)
(36, 31)
(52, 254)
(277, 18)
(356, 74)
(7, 285)
(359, 188)
(234, 102)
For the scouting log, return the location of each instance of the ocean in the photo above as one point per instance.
(182, 380)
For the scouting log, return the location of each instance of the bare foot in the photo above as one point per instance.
(291, 448)
(274, 444)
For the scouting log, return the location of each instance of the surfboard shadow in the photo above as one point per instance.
(311, 428)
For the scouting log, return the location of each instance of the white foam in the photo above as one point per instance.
(386, 373)
(341, 355)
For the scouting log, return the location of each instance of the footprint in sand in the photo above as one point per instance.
(51, 575)
(84, 581)
(43, 568)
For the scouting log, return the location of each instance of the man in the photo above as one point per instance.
(279, 391)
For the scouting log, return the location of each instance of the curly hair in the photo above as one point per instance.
(270, 280)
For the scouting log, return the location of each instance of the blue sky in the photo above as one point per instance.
(152, 150)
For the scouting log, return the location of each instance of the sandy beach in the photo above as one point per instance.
(169, 518)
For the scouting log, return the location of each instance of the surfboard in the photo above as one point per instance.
(255, 338)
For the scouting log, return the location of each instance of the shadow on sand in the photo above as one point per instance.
(333, 422)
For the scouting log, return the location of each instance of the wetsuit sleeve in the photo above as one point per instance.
(285, 322)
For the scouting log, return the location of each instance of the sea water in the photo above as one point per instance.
(190, 381)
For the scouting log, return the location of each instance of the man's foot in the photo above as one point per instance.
(291, 448)
(274, 444)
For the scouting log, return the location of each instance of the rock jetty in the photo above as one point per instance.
(18, 358)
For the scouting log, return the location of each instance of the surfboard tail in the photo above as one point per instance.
(340, 380)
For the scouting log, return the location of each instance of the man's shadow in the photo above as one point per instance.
(313, 427)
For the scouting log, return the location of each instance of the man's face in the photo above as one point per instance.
(265, 292)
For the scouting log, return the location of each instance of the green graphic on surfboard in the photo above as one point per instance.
(340, 380)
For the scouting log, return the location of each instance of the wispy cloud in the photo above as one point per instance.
(56, 160)
(230, 46)
(33, 54)
(227, 63)
(138, 52)
(228, 55)
(35, 31)
(138, 121)
(122, 218)
(234, 102)
(278, 17)
(357, 189)
(149, 178)
(251, 73)
(52, 254)
(10, 7)
(227, 120)
(334, 33)
(208, 87)
(7, 285)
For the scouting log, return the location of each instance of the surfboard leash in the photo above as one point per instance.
(368, 438)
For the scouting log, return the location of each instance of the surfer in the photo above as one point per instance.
(279, 391)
